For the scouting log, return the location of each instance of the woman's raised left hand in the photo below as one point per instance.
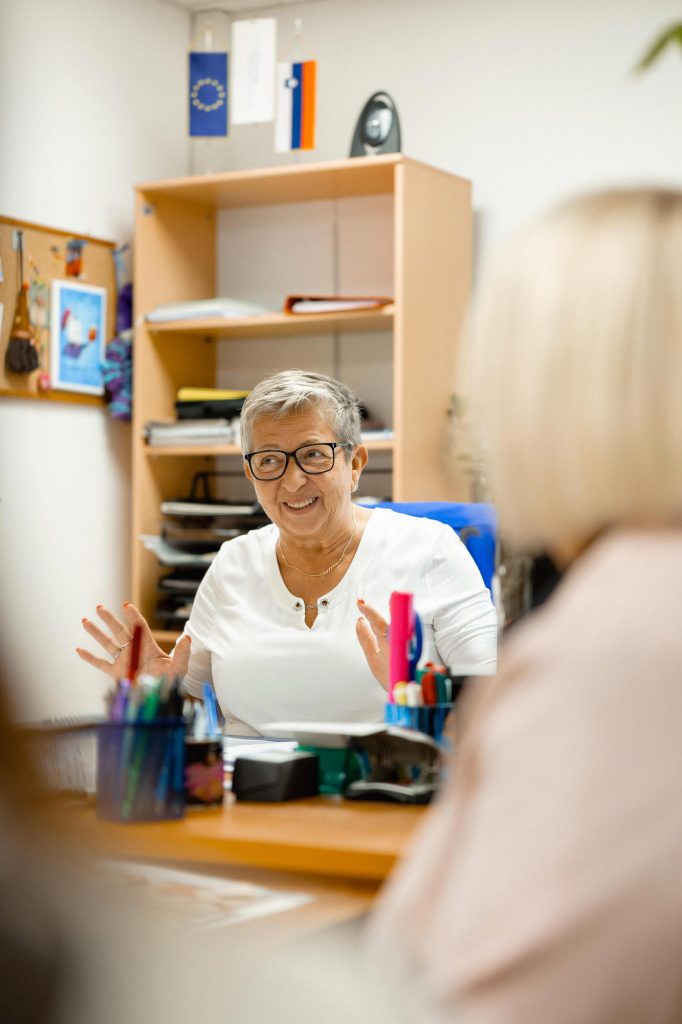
(372, 632)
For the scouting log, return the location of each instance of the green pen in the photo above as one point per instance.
(146, 714)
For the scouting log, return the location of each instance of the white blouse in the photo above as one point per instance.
(250, 639)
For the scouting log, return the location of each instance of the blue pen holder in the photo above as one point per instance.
(140, 770)
(429, 719)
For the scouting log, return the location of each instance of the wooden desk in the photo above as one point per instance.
(337, 850)
(321, 836)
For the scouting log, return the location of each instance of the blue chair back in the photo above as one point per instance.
(474, 522)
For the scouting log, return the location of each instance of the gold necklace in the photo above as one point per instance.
(325, 572)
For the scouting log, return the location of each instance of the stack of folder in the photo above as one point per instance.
(204, 416)
(209, 403)
(302, 304)
(201, 431)
(193, 529)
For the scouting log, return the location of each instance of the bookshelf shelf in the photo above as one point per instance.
(278, 324)
(267, 186)
(205, 450)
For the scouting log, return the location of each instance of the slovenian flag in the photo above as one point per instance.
(295, 128)
(207, 94)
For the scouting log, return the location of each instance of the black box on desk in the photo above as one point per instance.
(275, 775)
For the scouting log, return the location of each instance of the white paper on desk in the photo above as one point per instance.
(253, 71)
(323, 734)
(202, 901)
(252, 746)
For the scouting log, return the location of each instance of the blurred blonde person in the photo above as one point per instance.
(546, 885)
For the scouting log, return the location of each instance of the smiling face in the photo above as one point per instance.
(308, 510)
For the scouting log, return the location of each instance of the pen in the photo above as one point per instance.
(146, 714)
(176, 700)
(200, 727)
(169, 752)
(120, 702)
(211, 710)
(135, 653)
(415, 648)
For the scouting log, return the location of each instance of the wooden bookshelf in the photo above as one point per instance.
(180, 244)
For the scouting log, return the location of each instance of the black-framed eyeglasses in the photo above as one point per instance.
(271, 463)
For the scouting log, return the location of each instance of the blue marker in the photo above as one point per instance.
(211, 710)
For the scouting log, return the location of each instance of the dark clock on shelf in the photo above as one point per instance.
(378, 127)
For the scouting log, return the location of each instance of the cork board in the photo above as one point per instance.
(45, 255)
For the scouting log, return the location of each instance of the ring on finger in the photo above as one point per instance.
(118, 650)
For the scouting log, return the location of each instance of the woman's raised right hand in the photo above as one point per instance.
(117, 644)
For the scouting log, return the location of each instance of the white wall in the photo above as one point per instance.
(92, 99)
(529, 98)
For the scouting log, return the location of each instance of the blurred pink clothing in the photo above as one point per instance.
(545, 886)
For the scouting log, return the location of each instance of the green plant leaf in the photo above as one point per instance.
(670, 35)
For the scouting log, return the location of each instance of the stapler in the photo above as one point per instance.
(399, 766)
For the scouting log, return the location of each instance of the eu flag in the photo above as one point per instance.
(207, 93)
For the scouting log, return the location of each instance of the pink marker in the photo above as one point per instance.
(400, 636)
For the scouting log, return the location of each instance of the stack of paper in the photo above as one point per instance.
(380, 434)
(212, 509)
(218, 431)
(200, 309)
(168, 555)
(209, 403)
(333, 303)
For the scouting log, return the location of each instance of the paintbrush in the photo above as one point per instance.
(21, 355)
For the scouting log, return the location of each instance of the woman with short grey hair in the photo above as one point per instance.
(291, 390)
(289, 622)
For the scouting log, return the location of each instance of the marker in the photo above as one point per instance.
(414, 695)
(400, 636)
(400, 693)
(429, 691)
